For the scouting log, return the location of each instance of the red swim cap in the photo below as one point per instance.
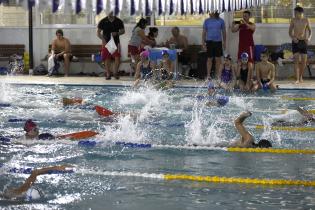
(29, 125)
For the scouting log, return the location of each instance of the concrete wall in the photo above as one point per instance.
(265, 34)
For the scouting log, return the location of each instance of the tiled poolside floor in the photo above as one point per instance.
(73, 80)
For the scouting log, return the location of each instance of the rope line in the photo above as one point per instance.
(287, 128)
(212, 179)
(212, 148)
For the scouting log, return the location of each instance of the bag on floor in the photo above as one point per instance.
(16, 64)
(40, 70)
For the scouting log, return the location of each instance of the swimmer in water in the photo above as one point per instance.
(32, 131)
(25, 190)
(299, 116)
(247, 139)
(215, 100)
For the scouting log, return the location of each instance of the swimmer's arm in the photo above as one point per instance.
(309, 29)
(53, 47)
(137, 74)
(309, 116)
(32, 178)
(249, 75)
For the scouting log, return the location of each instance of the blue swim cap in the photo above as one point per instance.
(210, 85)
(244, 56)
(265, 87)
(222, 100)
(164, 52)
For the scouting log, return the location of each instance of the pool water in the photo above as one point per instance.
(172, 117)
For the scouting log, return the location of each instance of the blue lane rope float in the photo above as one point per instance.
(29, 170)
(190, 147)
(5, 105)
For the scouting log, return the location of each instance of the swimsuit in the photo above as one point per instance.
(226, 75)
(244, 75)
(146, 72)
(264, 81)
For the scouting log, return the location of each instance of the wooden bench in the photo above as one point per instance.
(83, 52)
(274, 48)
(6, 50)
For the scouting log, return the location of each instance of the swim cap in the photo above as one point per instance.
(244, 56)
(29, 125)
(164, 52)
(32, 194)
(227, 56)
(210, 85)
(222, 100)
(263, 143)
(145, 54)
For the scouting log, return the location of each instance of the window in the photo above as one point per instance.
(278, 11)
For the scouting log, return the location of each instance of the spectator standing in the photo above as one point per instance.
(110, 26)
(137, 38)
(300, 33)
(246, 30)
(214, 40)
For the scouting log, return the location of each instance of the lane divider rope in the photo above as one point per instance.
(298, 98)
(287, 128)
(191, 147)
(212, 179)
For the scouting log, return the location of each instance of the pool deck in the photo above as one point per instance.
(125, 81)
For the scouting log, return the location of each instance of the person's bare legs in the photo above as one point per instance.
(116, 67)
(107, 68)
(209, 67)
(302, 66)
(296, 58)
(238, 122)
(66, 57)
(218, 61)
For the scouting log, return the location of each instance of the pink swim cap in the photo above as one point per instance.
(145, 54)
(29, 125)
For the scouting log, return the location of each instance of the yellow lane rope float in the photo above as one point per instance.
(272, 150)
(191, 147)
(212, 179)
(287, 128)
(297, 98)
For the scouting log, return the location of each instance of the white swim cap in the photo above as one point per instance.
(32, 194)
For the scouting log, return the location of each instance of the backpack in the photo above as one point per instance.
(16, 64)
(40, 70)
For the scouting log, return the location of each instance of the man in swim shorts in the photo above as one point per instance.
(300, 32)
(247, 140)
(299, 116)
(265, 72)
(25, 191)
(32, 131)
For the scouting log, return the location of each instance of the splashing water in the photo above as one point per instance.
(125, 130)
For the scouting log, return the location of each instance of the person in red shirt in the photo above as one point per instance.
(246, 41)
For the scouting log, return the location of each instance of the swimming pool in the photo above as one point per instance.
(172, 117)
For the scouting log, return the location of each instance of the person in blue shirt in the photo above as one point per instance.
(214, 40)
